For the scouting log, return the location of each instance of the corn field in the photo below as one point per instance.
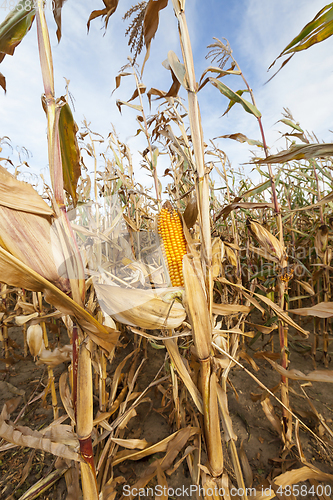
(180, 336)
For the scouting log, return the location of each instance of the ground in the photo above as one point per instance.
(20, 468)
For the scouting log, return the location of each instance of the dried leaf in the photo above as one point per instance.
(190, 214)
(183, 373)
(110, 8)
(307, 287)
(248, 476)
(131, 444)
(320, 310)
(23, 436)
(315, 376)
(227, 309)
(303, 474)
(299, 152)
(150, 23)
(178, 69)
(277, 309)
(270, 414)
(56, 7)
(21, 196)
(240, 138)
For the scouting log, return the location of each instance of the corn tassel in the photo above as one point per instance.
(171, 231)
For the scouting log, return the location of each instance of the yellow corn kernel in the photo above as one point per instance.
(171, 231)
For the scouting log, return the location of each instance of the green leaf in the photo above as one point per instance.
(178, 69)
(70, 153)
(317, 30)
(291, 124)
(13, 29)
(16, 25)
(234, 96)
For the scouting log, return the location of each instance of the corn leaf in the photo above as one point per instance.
(20, 195)
(299, 152)
(56, 7)
(16, 25)
(150, 23)
(178, 69)
(110, 8)
(317, 30)
(16, 273)
(321, 310)
(240, 138)
(70, 153)
(234, 97)
(315, 376)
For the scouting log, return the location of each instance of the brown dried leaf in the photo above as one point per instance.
(110, 8)
(268, 242)
(226, 420)
(150, 23)
(303, 474)
(23, 436)
(131, 444)
(159, 447)
(190, 214)
(321, 310)
(299, 152)
(65, 396)
(261, 328)
(315, 376)
(277, 309)
(228, 309)
(245, 205)
(56, 7)
(308, 288)
(248, 476)
(270, 414)
(183, 373)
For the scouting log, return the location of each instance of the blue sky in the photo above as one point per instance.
(257, 31)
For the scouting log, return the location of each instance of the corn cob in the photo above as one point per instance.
(171, 231)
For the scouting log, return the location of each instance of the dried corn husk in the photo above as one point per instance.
(149, 309)
(196, 304)
(274, 250)
(35, 340)
(321, 241)
(55, 357)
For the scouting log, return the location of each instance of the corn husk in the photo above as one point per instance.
(150, 309)
(35, 340)
(269, 244)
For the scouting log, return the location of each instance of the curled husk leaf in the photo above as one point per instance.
(150, 309)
